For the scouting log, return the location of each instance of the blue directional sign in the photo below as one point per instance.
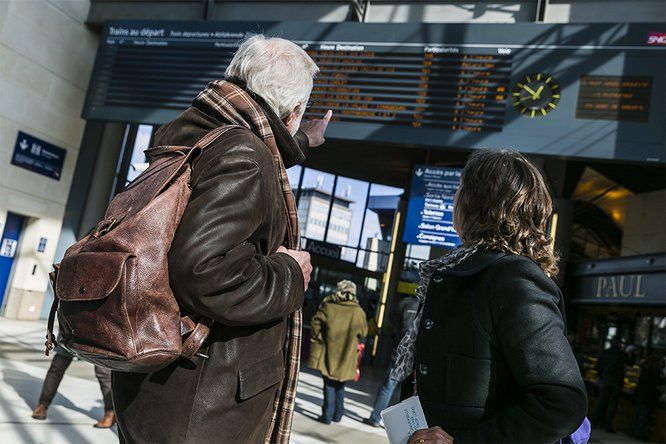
(430, 210)
(38, 156)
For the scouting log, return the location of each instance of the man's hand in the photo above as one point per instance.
(316, 128)
(303, 259)
(433, 435)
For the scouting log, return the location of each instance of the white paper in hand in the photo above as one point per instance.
(402, 420)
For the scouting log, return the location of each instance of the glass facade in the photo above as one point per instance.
(144, 136)
(351, 213)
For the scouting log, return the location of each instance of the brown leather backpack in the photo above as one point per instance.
(112, 295)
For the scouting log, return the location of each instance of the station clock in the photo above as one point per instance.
(536, 95)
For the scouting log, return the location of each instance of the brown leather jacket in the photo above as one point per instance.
(223, 265)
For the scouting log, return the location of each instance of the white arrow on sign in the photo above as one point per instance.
(24, 144)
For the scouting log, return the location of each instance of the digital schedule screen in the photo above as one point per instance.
(614, 98)
(430, 208)
(459, 92)
(567, 90)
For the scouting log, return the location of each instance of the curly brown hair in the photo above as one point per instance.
(504, 204)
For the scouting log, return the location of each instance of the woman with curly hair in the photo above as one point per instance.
(488, 353)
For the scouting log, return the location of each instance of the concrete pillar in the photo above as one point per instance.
(3, 218)
(563, 215)
(390, 287)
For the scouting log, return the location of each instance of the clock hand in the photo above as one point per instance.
(537, 94)
(529, 90)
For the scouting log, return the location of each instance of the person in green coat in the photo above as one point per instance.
(337, 328)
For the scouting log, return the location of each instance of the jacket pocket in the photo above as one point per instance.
(454, 419)
(470, 382)
(255, 378)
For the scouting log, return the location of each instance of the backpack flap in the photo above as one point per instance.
(90, 276)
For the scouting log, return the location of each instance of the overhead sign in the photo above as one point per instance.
(8, 248)
(38, 156)
(430, 209)
(323, 249)
(636, 288)
(614, 98)
(437, 85)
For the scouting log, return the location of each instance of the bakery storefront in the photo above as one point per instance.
(623, 296)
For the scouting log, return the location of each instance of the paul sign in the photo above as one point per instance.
(623, 286)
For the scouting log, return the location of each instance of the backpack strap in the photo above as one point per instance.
(194, 336)
(50, 338)
(189, 153)
(175, 150)
(213, 135)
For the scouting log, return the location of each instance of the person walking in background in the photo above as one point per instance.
(59, 364)
(646, 395)
(337, 328)
(488, 352)
(401, 318)
(611, 379)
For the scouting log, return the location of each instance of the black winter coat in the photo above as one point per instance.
(493, 363)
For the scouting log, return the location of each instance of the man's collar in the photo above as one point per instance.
(289, 149)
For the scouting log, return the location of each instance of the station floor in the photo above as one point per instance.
(78, 403)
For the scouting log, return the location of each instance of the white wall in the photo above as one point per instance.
(644, 225)
(46, 56)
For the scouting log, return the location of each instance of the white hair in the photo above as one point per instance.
(276, 69)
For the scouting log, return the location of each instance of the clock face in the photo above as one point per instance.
(536, 95)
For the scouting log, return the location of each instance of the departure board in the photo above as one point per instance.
(614, 98)
(569, 90)
(465, 92)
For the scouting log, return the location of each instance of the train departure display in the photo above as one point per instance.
(614, 98)
(464, 92)
(571, 90)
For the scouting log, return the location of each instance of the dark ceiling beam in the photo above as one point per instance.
(380, 163)
(209, 9)
(635, 178)
(102, 10)
(562, 176)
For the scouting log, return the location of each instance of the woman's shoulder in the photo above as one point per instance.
(493, 262)
(519, 271)
(511, 263)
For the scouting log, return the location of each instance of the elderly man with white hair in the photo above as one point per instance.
(235, 260)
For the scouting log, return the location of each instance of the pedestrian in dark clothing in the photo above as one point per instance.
(611, 379)
(400, 318)
(488, 353)
(646, 395)
(337, 328)
(59, 364)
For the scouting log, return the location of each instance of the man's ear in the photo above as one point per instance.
(289, 118)
(292, 115)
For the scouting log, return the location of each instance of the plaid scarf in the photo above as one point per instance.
(405, 352)
(238, 107)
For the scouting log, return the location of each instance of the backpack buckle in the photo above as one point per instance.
(104, 227)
